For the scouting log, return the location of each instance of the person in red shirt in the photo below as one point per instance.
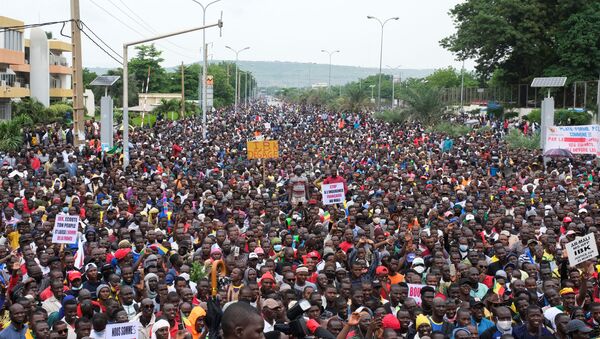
(334, 178)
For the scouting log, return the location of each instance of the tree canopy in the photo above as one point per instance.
(528, 38)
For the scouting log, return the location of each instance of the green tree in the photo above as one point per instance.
(148, 58)
(88, 76)
(450, 77)
(355, 99)
(11, 136)
(521, 37)
(223, 88)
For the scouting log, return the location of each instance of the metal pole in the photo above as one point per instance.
(598, 100)
(236, 73)
(393, 97)
(380, 57)
(125, 109)
(245, 90)
(329, 82)
(462, 86)
(126, 82)
(202, 82)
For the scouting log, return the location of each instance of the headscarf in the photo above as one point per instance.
(162, 323)
(151, 294)
(197, 312)
(99, 288)
(460, 329)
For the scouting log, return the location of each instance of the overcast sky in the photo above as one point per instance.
(275, 30)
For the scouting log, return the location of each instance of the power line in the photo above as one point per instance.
(12, 28)
(148, 26)
(133, 29)
(105, 51)
(96, 35)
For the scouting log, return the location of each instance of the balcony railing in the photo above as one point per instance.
(58, 61)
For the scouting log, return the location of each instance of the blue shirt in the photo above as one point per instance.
(483, 325)
(11, 332)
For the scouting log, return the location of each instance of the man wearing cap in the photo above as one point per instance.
(92, 282)
(270, 312)
(577, 329)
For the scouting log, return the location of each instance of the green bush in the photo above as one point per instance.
(517, 140)
(562, 117)
(510, 115)
(396, 116)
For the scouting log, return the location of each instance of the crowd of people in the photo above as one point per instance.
(437, 237)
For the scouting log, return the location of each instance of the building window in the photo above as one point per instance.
(13, 40)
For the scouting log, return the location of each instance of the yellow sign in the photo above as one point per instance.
(268, 149)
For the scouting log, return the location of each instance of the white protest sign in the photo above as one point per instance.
(582, 249)
(65, 229)
(583, 139)
(333, 193)
(122, 331)
(414, 291)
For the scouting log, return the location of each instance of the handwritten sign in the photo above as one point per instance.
(122, 331)
(583, 139)
(414, 291)
(333, 193)
(582, 249)
(65, 229)
(267, 149)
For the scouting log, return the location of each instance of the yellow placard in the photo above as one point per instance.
(268, 149)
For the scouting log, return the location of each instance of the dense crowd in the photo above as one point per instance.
(438, 236)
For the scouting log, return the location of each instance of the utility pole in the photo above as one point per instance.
(77, 77)
(245, 90)
(182, 93)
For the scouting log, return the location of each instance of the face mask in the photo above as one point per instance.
(504, 325)
(65, 210)
(463, 248)
(277, 248)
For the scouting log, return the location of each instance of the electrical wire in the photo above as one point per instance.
(97, 37)
(148, 26)
(133, 29)
(102, 48)
(12, 28)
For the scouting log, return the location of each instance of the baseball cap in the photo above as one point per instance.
(90, 266)
(577, 325)
(253, 255)
(501, 274)
(270, 303)
(381, 270)
(73, 275)
(567, 219)
(567, 290)
(418, 265)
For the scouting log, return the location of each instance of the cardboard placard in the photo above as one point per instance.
(122, 331)
(333, 193)
(268, 149)
(65, 229)
(582, 249)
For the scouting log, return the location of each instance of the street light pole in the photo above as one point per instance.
(202, 85)
(236, 73)
(126, 82)
(393, 84)
(462, 84)
(382, 23)
(330, 54)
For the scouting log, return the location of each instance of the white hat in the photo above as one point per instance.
(418, 265)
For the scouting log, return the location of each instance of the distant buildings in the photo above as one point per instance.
(35, 67)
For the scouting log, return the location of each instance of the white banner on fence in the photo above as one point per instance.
(584, 139)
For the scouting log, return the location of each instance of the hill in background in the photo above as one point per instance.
(298, 74)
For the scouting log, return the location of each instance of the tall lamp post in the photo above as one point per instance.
(202, 84)
(236, 72)
(393, 85)
(382, 23)
(126, 82)
(330, 54)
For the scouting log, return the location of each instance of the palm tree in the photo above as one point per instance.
(355, 99)
(11, 136)
(424, 103)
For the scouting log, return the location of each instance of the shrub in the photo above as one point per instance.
(453, 130)
(510, 115)
(562, 117)
(517, 140)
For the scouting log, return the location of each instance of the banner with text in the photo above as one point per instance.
(332, 193)
(65, 229)
(584, 139)
(122, 331)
